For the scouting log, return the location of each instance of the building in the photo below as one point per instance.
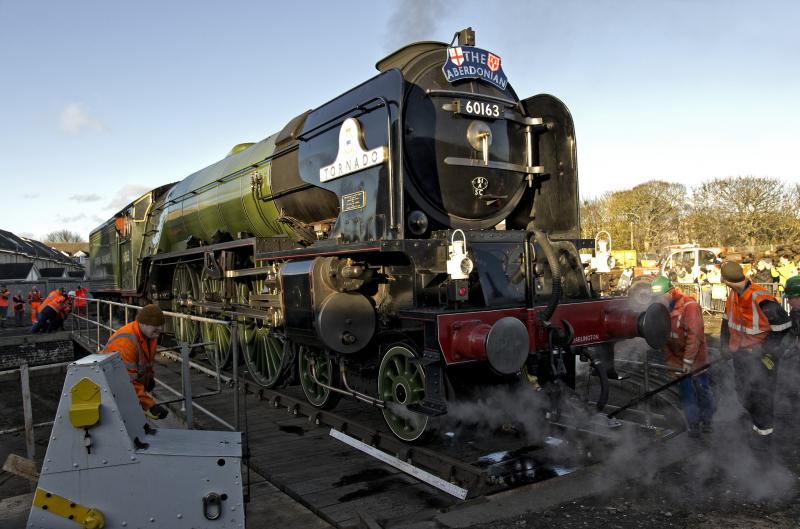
(21, 271)
(25, 259)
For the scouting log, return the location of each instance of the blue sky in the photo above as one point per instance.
(102, 100)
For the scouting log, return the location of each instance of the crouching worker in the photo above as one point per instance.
(136, 345)
(50, 310)
(685, 351)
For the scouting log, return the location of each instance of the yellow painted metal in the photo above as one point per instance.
(85, 517)
(624, 258)
(240, 147)
(84, 411)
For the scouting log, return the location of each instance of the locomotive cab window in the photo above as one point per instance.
(142, 207)
(121, 223)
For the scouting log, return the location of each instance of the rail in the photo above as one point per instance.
(90, 333)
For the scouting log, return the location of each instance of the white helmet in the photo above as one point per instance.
(71, 294)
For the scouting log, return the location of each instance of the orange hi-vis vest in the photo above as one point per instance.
(55, 301)
(747, 323)
(80, 297)
(137, 354)
(4, 298)
(52, 295)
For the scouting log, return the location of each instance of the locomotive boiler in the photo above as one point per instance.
(399, 244)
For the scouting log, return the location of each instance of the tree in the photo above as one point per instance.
(730, 211)
(595, 215)
(647, 216)
(60, 236)
(745, 210)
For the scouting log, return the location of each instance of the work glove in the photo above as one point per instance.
(157, 412)
(151, 385)
(687, 366)
(768, 362)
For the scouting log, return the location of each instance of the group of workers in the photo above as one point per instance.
(756, 332)
(135, 342)
(47, 314)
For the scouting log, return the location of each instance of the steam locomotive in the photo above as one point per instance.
(399, 244)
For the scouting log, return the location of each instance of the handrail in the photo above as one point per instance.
(186, 393)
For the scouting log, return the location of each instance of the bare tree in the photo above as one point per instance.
(595, 215)
(652, 213)
(745, 210)
(63, 236)
(731, 211)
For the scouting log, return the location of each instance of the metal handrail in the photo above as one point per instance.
(186, 393)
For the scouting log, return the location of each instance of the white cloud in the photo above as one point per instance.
(74, 119)
(126, 195)
(69, 220)
(29, 195)
(88, 197)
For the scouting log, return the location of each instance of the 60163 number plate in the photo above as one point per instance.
(480, 109)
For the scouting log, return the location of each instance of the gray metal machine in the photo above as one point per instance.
(107, 467)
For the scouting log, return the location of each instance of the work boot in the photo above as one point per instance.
(694, 429)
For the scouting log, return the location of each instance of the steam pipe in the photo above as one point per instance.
(555, 270)
(602, 374)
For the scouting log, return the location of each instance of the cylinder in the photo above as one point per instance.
(504, 344)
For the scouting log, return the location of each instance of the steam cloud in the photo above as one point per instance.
(413, 20)
(730, 466)
(727, 468)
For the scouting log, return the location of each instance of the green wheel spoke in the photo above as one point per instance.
(398, 364)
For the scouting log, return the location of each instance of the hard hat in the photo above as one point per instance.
(71, 294)
(792, 288)
(660, 285)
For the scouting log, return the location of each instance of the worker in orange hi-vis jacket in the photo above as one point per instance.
(685, 351)
(49, 312)
(80, 300)
(34, 300)
(752, 332)
(136, 345)
(4, 293)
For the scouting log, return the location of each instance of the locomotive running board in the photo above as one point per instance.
(409, 469)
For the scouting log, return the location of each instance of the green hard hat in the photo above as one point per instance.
(792, 288)
(660, 285)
